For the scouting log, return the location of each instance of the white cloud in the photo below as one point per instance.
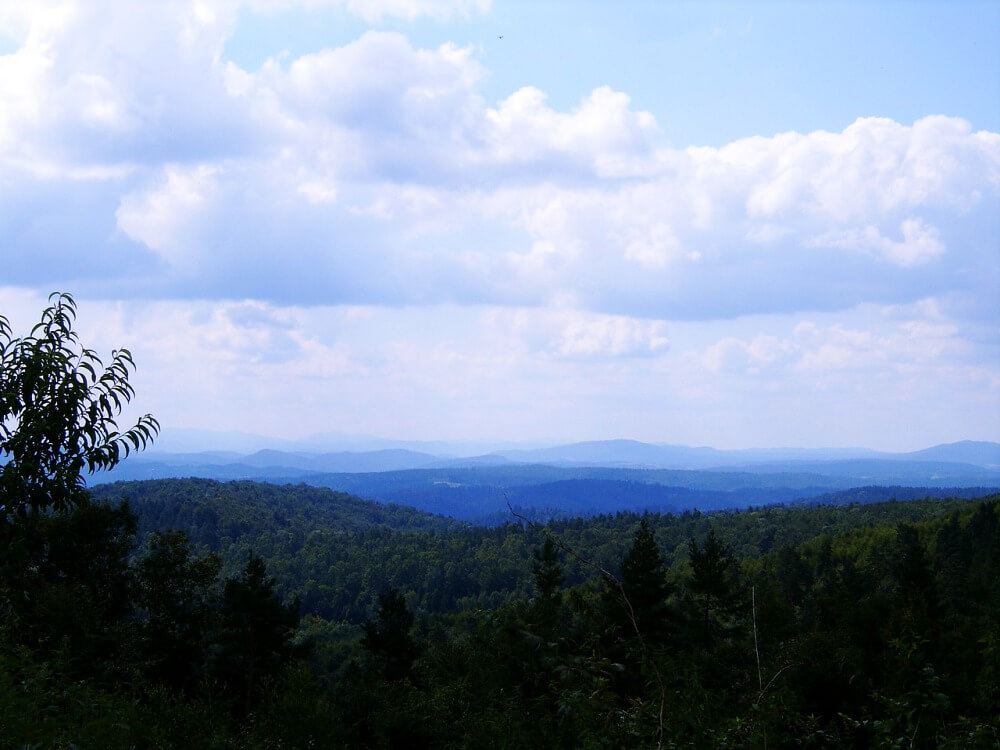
(891, 346)
(602, 135)
(571, 334)
(919, 244)
(544, 373)
(362, 213)
(373, 10)
(376, 172)
(159, 218)
(735, 355)
(116, 82)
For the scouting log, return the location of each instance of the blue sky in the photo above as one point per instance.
(736, 224)
(710, 72)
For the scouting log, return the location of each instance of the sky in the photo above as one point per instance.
(730, 224)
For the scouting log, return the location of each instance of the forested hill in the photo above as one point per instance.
(208, 510)
(481, 495)
(572, 480)
(300, 617)
(335, 552)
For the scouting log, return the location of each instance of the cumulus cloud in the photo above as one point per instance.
(363, 213)
(919, 243)
(578, 335)
(874, 374)
(376, 172)
(375, 10)
(736, 355)
(875, 341)
(602, 135)
(109, 83)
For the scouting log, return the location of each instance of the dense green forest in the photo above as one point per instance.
(312, 538)
(250, 615)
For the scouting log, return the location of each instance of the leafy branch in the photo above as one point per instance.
(59, 406)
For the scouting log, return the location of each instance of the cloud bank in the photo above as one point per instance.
(372, 182)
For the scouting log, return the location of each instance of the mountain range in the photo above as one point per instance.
(593, 477)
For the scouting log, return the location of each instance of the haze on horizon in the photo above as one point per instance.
(736, 225)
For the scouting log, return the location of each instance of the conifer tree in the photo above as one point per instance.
(176, 592)
(547, 571)
(388, 638)
(644, 586)
(254, 641)
(713, 585)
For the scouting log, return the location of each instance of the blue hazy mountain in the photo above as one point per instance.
(346, 461)
(178, 440)
(393, 455)
(637, 454)
(590, 477)
(978, 452)
(634, 453)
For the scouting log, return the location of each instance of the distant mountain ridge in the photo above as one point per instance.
(593, 477)
(611, 453)
(631, 452)
(379, 460)
(978, 452)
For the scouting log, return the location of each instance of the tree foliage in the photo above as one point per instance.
(643, 586)
(713, 579)
(387, 637)
(58, 409)
(254, 640)
(547, 571)
(175, 591)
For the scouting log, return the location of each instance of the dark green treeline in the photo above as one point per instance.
(246, 615)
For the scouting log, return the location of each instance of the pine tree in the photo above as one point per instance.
(548, 573)
(713, 586)
(644, 589)
(254, 641)
(388, 637)
(176, 592)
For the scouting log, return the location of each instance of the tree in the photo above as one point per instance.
(66, 584)
(64, 570)
(548, 573)
(713, 586)
(176, 591)
(916, 610)
(644, 585)
(388, 637)
(256, 630)
(58, 406)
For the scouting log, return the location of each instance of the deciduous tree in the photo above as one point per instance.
(58, 406)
